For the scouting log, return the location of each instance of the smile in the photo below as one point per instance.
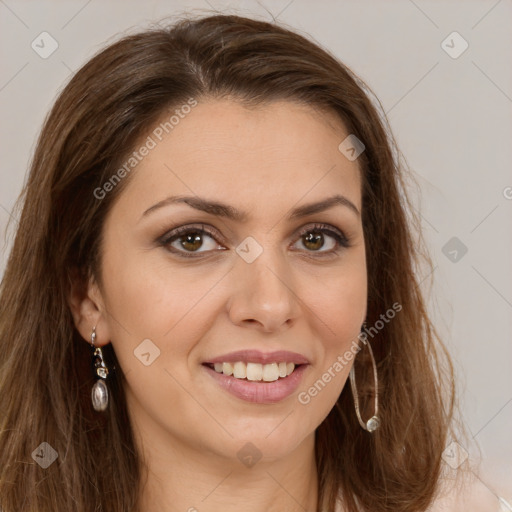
(255, 371)
(256, 376)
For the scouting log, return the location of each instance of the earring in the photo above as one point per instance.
(99, 394)
(374, 422)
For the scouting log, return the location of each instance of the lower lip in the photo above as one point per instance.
(260, 392)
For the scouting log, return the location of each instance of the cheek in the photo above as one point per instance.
(156, 318)
(338, 313)
(148, 296)
(339, 300)
(345, 308)
(156, 308)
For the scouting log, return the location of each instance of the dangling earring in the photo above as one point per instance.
(374, 422)
(99, 394)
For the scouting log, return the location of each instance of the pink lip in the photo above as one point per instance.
(259, 392)
(256, 356)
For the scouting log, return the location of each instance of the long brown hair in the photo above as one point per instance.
(45, 376)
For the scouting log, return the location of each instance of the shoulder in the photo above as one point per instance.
(465, 494)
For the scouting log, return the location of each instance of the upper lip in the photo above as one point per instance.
(256, 356)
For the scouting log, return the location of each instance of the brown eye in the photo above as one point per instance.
(323, 239)
(313, 240)
(191, 242)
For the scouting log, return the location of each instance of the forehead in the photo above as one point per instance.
(279, 152)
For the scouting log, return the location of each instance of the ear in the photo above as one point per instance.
(88, 309)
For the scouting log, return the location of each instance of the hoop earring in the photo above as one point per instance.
(99, 394)
(374, 422)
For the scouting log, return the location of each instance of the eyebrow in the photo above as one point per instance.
(230, 212)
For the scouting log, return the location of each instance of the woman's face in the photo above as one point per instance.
(257, 275)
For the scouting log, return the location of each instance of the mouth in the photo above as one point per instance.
(256, 376)
(257, 383)
(255, 372)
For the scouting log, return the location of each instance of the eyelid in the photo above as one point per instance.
(182, 230)
(319, 226)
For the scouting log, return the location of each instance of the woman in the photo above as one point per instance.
(215, 217)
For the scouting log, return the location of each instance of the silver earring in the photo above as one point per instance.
(374, 422)
(99, 394)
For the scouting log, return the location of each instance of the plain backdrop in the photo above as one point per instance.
(449, 108)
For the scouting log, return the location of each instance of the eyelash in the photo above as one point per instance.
(175, 234)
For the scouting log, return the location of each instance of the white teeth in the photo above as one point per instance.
(270, 372)
(225, 368)
(255, 371)
(240, 370)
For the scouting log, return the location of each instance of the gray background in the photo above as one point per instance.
(451, 118)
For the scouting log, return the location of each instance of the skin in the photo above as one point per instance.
(266, 161)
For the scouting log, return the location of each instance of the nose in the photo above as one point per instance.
(264, 295)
